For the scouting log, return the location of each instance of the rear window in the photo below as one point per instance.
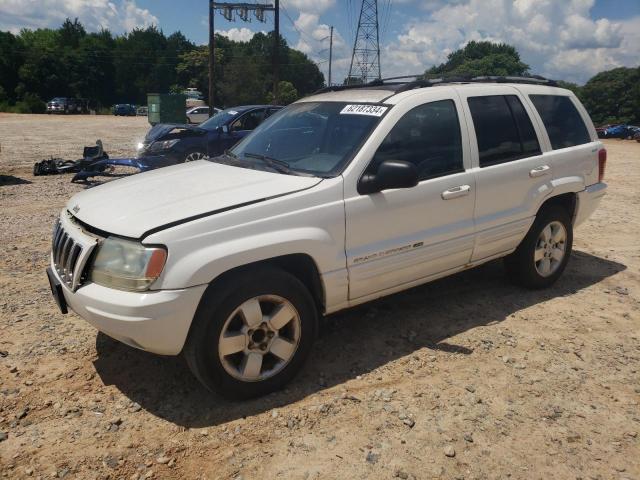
(503, 129)
(562, 121)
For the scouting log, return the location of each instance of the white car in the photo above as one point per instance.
(340, 198)
(199, 114)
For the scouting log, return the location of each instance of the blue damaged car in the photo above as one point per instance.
(169, 144)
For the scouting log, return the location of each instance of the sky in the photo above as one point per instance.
(562, 39)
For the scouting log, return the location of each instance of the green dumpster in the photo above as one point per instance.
(166, 108)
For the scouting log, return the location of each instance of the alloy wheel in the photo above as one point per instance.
(259, 338)
(193, 156)
(551, 248)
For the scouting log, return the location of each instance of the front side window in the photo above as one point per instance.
(562, 121)
(249, 121)
(219, 119)
(503, 129)
(271, 111)
(427, 136)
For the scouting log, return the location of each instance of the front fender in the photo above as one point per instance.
(204, 265)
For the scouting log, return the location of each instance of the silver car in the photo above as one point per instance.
(199, 114)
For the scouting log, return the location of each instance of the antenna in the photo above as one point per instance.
(365, 60)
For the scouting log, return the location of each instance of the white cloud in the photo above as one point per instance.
(117, 16)
(237, 34)
(557, 38)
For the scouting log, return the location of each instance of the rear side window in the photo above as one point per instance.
(503, 129)
(427, 136)
(562, 121)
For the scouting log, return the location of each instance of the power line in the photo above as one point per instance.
(386, 15)
(301, 32)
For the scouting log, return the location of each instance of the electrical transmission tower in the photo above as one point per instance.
(365, 61)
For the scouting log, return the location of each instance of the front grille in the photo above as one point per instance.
(69, 254)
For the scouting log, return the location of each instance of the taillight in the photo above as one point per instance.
(602, 163)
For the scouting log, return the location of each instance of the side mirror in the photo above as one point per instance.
(390, 174)
(223, 129)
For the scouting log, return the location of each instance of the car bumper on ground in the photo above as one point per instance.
(158, 161)
(155, 321)
(588, 201)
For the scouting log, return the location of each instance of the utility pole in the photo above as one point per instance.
(330, 54)
(212, 58)
(365, 60)
(276, 56)
(242, 9)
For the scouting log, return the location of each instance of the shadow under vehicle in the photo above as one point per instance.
(164, 387)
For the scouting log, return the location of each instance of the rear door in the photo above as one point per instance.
(512, 173)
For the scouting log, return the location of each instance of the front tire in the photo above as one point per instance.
(194, 156)
(544, 253)
(251, 333)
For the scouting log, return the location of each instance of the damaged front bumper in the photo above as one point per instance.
(140, 163)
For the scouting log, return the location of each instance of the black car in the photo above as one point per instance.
(124, 109)
(168, 144)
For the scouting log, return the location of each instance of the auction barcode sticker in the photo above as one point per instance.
(373, 110)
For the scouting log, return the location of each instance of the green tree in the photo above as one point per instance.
(613, 96)
(71, 33)
(242, 84)
(287, 93)
(11, 59)
(480, 59)
(352, 81)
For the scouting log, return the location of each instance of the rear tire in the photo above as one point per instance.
(251, 333)
(544, 252)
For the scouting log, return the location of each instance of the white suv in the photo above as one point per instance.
(342, 197)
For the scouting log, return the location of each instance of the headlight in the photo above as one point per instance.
(163, 145)
(127, 265)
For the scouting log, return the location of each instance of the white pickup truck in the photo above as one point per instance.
(342, 197)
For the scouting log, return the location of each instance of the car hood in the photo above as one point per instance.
(135, 205)
(177, 130)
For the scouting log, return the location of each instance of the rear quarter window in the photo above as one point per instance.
(562, 120)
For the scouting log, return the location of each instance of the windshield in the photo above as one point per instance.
(220, 119)
(312, 137)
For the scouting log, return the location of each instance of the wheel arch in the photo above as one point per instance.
(300, 265)
(568, 201)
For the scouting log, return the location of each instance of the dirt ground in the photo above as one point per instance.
(464, 378)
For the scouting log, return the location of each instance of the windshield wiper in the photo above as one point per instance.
(274, 163)
(227, 158)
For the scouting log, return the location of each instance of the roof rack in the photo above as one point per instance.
(392, 83)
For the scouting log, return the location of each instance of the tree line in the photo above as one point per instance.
(609, 97)
(36, 65)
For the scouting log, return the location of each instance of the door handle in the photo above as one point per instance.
(456, 192)
(539, 171)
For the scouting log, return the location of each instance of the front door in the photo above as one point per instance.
(236, 131)
(396, 238)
